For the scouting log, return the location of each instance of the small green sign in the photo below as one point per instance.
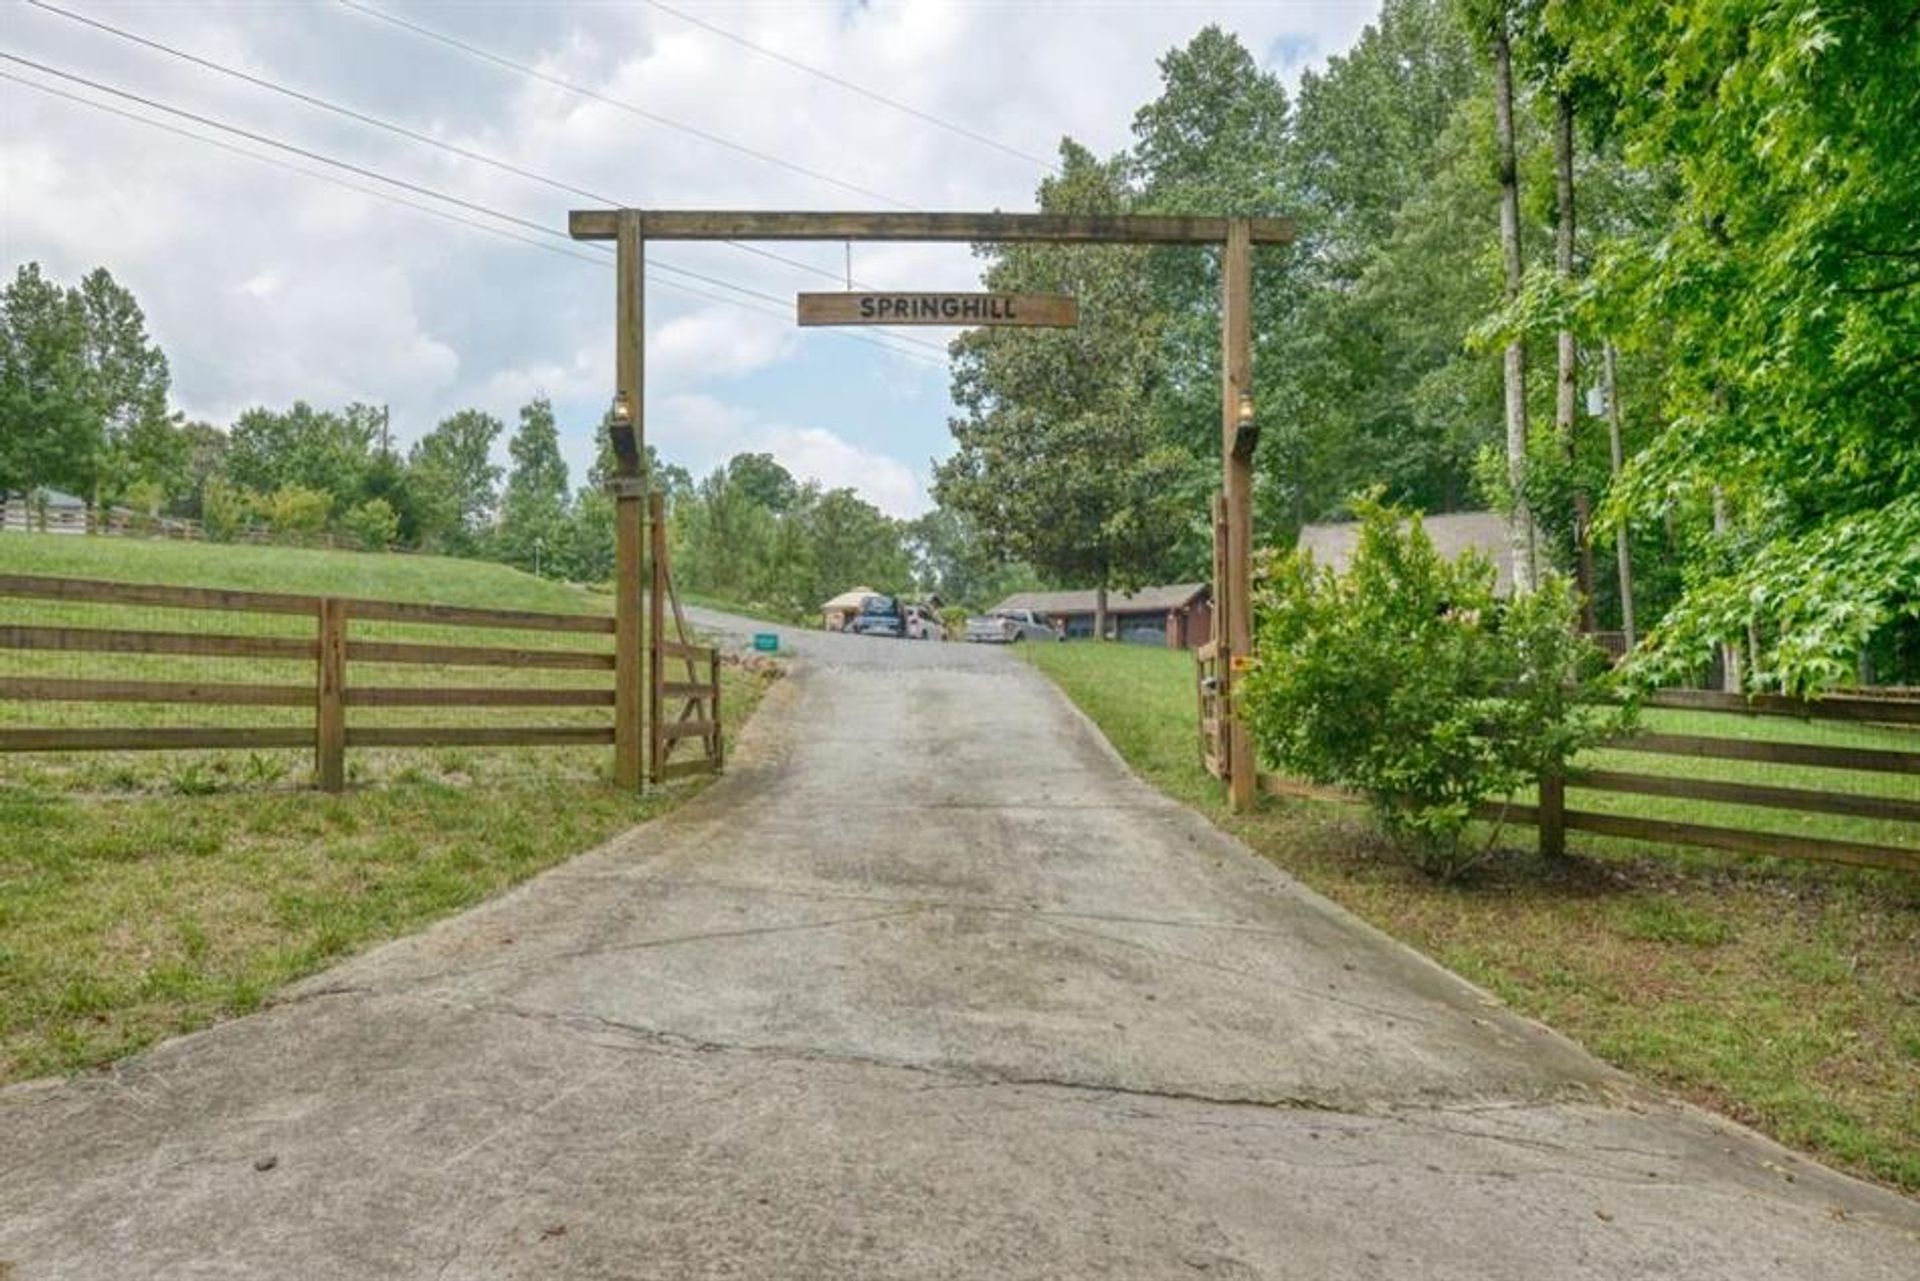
(766, 642)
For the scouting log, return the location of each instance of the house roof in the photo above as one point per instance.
(50, 497)
(850, 599)
(1148, 600)
(1452, 533)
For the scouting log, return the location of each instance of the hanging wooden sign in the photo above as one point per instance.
(1055, 310)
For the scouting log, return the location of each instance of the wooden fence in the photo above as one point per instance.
(330, 651)
(1551, 815)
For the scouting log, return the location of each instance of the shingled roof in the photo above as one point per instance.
(1148, 600)
(1452, 533)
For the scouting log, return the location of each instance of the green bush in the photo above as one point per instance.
(294, 509)
(374, 523)
(1407, 679)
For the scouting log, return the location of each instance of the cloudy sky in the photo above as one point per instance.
(265, 284)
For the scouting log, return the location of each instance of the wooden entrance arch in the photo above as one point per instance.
(631, 229)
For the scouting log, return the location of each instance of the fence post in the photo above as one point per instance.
(713, 711)
(1553, 814)
(628, 761)
(330, 722)
(656, 635)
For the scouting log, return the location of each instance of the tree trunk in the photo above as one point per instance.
(1566, 408)
(1620, 542)
(1521, 523)
(1730, 680)
(1100, 612)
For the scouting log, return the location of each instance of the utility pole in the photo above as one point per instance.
(1618, 451)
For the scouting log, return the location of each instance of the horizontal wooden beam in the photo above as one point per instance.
(155, 595)
(996, 228)
(476, 696)
(688, 729)
(686, 689)
(461, 616)
(481, 736)
(147, 740)
(49, 689)
(1059, 311)
(691, 653)
(1870, 759)
(1832, 707)
(1805, 800)
(1772, 844)
(107, 640)
(476, 656)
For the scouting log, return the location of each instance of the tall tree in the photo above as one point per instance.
(127, 381)
(1058, 453)
(1514, 357)
(327, 451)
(49, 432)
(1784, 289)
(533, 511)
(455, 481)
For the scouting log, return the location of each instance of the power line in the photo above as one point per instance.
(852, 87)
(654, 116)
(377, 176)
(565, 251)
(390, 126)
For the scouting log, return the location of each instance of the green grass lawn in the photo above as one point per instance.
(144, 894)
(1786, 995)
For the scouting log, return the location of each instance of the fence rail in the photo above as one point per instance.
(332, 653)
(1553, 818)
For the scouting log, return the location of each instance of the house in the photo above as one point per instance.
(838, 612)
(1179, 617)
(1452, 533)
(46, 511)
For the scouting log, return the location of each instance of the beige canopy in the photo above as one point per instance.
(849, 600)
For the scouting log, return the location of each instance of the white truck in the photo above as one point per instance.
(1007, 626)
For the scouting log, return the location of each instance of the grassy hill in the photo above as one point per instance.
(144, 894)
(440, 579)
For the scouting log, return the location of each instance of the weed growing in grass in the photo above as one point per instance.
(1663, 920)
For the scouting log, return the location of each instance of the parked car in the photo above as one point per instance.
(923, 624)
(879, 616)
(1006, 626)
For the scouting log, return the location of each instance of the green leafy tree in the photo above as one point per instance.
(127, 383)
(533, 511)
(763, 481)
(49, 432)
(1058, 454)
(1785, 293)
(454, 481)
(324, 451)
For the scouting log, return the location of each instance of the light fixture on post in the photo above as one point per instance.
(626, 449)
(1245, 434)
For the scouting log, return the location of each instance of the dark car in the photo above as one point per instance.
(879, 616)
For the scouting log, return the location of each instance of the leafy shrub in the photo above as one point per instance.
(1408, 680)
(374, 523)
(294, 509)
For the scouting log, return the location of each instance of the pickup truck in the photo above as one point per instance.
(1006, 626)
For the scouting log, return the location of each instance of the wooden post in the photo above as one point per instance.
(1236, 381)
(330, 721)
(719, 751)
(1553, 814)
(629, 493)
(656, 632)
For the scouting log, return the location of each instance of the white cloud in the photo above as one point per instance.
(704, 432)
(263, 285)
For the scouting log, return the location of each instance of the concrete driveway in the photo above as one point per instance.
(929, 986)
